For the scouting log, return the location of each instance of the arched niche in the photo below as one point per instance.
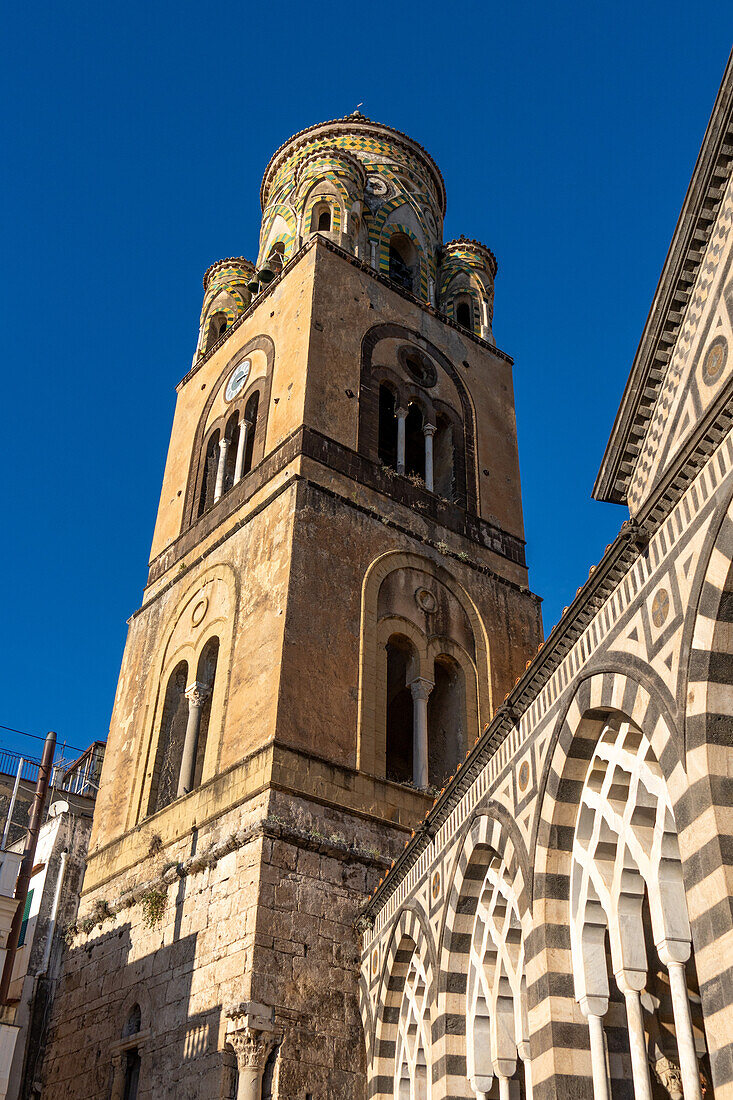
(198, 637)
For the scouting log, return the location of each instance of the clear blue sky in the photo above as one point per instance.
(134, 137)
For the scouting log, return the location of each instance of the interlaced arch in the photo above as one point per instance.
(626, 886)
(496, 1013)
(412, 1055)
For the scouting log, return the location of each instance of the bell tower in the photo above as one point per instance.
(336, 604)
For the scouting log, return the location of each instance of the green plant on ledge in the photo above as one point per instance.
(153, 903)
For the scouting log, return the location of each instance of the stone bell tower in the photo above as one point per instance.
(337, 603)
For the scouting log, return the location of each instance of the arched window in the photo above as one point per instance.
(217, 328)
(171, 737)
(446, 720)
(250, 419)
(320, 221)
(231, 434)
(464, 314)
(414, 443)
(387, 427)
(184, 729)
(133, 1022)
(276, 258)
(400, 663)
(208, 477)
(444, 458)
(402, 257)
(205, 676)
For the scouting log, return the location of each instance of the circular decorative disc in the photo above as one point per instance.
(376, 186)
(197, 615)
(238, 377)
(435, 887)
(714, 362)
(660, 607)
(425, 600)
(418, 365)
(523, 777)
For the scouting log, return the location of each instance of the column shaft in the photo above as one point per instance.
(429, 432)
(401, 415)
(420, 691)
(241, 450)
(689, 1068)
(598, 1058)
(195, 694)
(219, 488)
(250, 1084)
(637, 1046)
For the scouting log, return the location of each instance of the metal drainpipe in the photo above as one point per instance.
(26, 865)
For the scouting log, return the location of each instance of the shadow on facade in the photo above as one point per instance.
(127, 1031)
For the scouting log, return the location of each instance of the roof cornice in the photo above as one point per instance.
(686, 251)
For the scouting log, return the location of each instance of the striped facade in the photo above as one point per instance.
(640, 668)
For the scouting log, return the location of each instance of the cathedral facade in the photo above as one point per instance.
(560, 925)
(337, 603)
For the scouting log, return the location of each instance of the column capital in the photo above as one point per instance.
(593, 1006)
(421, 688)
(251, 1047)
(400, 411)
(197, 693)
(429, 429)
(223, 443)
(631, 981)
(673, 952)
(669, 1075)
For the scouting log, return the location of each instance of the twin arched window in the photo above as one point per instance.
(184, 728)
(417, 441)
(426, 721)
(228, 456)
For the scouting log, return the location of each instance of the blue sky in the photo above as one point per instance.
(134, 140)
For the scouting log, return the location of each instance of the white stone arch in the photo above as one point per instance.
(488, 876)
(624, 851)
(403, 1041)
(497, 1031)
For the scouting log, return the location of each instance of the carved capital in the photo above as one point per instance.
(668, 1075)
(251, 1047)
(421, 688)
(197, 693)
(429, 429)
